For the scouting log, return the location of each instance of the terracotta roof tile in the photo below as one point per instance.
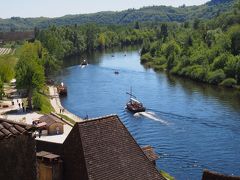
(19, 128)
(11, 128)
(110, 152)
(1, 135)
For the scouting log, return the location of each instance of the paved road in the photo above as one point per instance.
(56, 104)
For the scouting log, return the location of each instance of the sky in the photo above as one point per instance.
(57, 8)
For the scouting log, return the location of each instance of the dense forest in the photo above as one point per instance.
(206, 51)
(70, 40)
(145, 14)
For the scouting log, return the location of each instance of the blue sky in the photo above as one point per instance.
(56, 8)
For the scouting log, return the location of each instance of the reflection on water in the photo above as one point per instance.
(191, 125)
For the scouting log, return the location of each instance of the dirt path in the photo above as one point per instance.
(56, 104)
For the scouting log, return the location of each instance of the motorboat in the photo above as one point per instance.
(116, 72)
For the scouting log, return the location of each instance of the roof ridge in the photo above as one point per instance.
(14, 122)
(97, 118)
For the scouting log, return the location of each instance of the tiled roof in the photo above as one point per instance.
(209, 175)
(50, 119)
(149, 152)
(110, 152)
(47, 155)
(12, 129)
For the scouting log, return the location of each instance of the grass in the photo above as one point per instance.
(166, 175)
(7, 64)
(46, 106)
(67, 118)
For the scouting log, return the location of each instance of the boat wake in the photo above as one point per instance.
(151, 115)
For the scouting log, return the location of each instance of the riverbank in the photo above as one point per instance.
(195, 73)
(57, 106)
(13, 107)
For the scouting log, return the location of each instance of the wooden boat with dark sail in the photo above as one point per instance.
(84, 63)
(62, 90)
(134, 105)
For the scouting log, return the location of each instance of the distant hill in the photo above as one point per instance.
(145, 14)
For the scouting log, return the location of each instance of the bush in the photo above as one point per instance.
(160, 60)
(216, 77)
(229, 82)
(220, 62)
(196, 72)
(145, 58)
(37, 101)
(7, 64)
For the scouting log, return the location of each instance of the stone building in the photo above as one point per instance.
(51, 124)
(17, 151)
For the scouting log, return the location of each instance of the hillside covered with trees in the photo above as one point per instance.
(205, 50)
(72, 40)
(145, 14)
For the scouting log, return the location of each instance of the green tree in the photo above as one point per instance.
(7, 64)
(145, 47)
(101, 40)
(196, 24)
(136, 25)
(29, 71)
(238, 69)
(91, 37)
(164, 32)
(235, 40)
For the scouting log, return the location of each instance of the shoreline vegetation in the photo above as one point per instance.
(206, 51)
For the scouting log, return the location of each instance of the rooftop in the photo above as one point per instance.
(50, 119)
(60, 138)
(110, 151)
(12, 129)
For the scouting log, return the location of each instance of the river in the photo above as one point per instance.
(192, 126)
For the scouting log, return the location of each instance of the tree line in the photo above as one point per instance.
(205, 51)
(71, 40)
(145, 14)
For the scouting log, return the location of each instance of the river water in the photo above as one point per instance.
(192, 126)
